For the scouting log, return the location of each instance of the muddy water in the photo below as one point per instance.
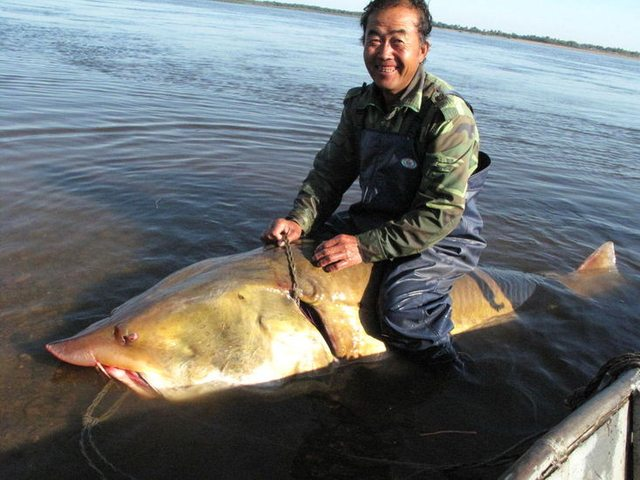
(138, 137)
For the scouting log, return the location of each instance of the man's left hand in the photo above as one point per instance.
(337, 253)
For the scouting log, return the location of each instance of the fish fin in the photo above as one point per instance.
(603, 258)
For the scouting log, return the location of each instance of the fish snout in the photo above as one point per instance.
(94, 345)
(72, 350)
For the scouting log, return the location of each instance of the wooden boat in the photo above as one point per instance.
(599, 440)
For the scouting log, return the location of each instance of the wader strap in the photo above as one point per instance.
(425, 116)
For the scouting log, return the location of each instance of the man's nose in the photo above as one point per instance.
(385, 50)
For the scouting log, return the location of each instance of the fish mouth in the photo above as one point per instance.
(134, 380)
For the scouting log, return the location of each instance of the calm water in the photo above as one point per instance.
(137, 137)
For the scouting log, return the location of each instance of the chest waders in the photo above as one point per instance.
(415, 306)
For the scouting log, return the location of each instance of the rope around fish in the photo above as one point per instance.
(89, 421)
(293, 273)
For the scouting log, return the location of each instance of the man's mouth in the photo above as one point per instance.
(387, 68)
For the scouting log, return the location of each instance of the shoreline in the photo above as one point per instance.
(597, 49)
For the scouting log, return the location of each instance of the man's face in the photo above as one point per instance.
(393, 51)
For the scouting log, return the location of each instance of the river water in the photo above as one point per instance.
(137, 137)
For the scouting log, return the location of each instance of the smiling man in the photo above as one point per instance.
(413, 144)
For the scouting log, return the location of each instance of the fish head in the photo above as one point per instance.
(188, 335)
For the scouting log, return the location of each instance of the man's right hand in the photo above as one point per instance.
(278, 229)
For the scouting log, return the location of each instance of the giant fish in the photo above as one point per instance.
(233, 320)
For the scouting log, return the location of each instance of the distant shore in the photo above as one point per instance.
(494, 33)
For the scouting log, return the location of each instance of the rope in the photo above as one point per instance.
(423, 470)
(612, 369)
(89, 421)
(295, 290)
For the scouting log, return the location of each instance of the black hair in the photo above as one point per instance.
(425, 23)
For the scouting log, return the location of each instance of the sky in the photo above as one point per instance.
(608, 23)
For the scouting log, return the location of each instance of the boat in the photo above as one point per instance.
(598, 440)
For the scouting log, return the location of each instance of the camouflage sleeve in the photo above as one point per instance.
(450, 157)
(334, 170)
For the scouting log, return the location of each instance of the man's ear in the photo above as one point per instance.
(424, 51)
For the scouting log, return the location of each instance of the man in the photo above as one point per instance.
(414, 145)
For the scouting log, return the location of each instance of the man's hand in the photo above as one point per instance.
(337, 253)
(278, 229)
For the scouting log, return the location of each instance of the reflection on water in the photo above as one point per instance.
(138, 137)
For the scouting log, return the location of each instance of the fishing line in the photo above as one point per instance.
(89, 420)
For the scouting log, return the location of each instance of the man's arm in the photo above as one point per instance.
(334, 170)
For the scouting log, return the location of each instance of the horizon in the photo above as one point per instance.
(615, 22)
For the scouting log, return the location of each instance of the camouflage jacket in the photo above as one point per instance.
(447, 141)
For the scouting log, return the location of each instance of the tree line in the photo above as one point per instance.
(539, 39)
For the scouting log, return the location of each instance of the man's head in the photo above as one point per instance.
(395, 42)
(425, 21)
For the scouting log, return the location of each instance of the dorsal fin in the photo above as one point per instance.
(603, 258)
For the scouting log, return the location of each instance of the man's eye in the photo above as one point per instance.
(373, 42)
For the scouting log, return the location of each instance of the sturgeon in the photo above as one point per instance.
(232, 321)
